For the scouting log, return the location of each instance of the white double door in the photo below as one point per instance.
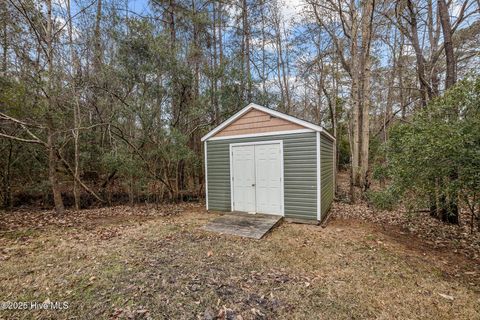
(257, 178)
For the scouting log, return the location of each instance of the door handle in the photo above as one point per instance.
(253, 184)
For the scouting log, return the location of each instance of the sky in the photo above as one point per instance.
(290, 8)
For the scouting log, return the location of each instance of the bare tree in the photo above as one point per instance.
(76, 108)
(365, 65)
(451, 76)
(51, 97)
(355, 24)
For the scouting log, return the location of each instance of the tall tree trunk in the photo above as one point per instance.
(367, 17)
(96, 76)
(286, 70)
(449, 202)
(335, 124)
(215, 64)
(451, 75)
(281, 71)
(220, 41)
(364, 158)
(52, 168)
(355, 94)
(425, 88)
(433, 36)
(391, 89)
(52, 158)
(246, 36)
(196, 55)
(401, 89)
(76, 110)
(6, 186)
(175, 90)
(264, 54)
(352, 178)
(173, 33)
(279, 78)
(355, 119)
(97, 59)
(321, 89)
(5, 17)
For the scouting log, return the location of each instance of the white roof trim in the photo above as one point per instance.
(269, 111)
(328, 134)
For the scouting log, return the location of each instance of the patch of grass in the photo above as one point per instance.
(168, 268)
(18, 234)
(370, 237)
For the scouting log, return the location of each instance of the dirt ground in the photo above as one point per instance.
(438, 235)
(156, 263)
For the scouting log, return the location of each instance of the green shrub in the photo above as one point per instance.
(383, 200)
(437, 155)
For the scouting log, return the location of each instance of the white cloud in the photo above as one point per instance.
(291, 8)
(256, 42)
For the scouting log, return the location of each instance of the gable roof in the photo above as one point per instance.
(272, 112)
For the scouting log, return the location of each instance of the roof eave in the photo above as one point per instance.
(269, 111)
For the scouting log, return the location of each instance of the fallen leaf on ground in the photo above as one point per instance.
(446, 296)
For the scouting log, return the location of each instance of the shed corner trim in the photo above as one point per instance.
(319, 181)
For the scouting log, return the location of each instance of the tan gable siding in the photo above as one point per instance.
(255, 121)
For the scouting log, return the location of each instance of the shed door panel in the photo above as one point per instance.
(243, 178)
(268, 178)
(257, 184)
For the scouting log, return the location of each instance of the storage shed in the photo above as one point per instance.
(264, 161)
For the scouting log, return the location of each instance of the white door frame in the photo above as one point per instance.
(230, 152)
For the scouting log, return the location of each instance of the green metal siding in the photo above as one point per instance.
(300, 173)
(326, 174)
